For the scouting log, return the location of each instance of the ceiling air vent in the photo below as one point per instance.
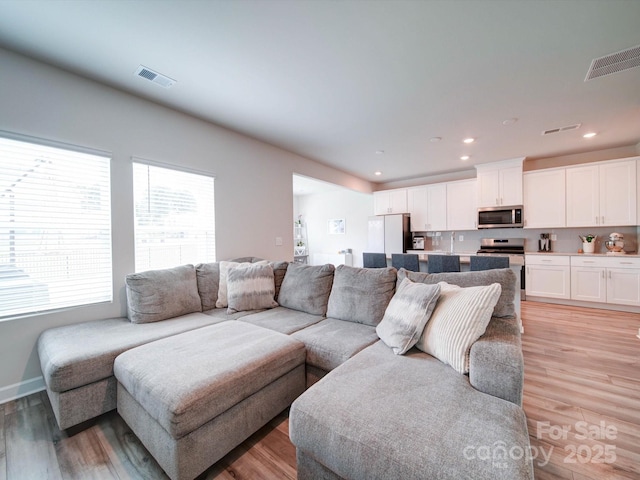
(562, 129)
(614, 63)
(155, 77)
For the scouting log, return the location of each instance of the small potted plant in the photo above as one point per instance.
(588, 242)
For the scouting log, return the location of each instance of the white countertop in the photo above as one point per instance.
(514, 260)
(574, 254)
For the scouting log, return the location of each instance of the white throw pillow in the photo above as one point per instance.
(407, 314)
(250, 288)
(222, 301)
(461, 317)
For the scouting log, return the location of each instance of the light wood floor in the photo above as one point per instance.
(582, 373)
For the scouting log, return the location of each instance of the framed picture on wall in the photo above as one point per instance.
(335, 226)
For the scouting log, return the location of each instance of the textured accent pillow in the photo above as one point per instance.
(208, 277)
(250, 288)
(156, 295)
(504, 276)
(221, 301)
(361, 295)
(461, 317)
(306, 288)
(407, 314)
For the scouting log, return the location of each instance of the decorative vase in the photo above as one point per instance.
(588, 247)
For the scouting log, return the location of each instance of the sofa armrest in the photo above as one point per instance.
(496, 365)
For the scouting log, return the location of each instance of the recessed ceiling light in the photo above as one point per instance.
(435, 139)
(379, 152)
(589, 135)
(469, 140)
(464, 157)
(378, 173)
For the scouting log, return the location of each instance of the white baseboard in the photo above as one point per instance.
(21, 389)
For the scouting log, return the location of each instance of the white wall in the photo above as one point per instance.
(317, 209)
(253, 183)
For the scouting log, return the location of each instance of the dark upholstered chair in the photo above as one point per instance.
(408, 261)
(374, 260)
(487, 263)
(443, 263)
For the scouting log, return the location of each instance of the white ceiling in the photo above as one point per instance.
(338, 80)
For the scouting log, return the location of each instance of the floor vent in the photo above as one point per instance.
(562, 129)
(614, 63)
(155, 77)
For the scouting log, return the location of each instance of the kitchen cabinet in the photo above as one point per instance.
(390, 202)
(603, 194)
(544, 198)
(613, 280)
(548, 276)
(500, 183)
(428, 207)
(462, 210)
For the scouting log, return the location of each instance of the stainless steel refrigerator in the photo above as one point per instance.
(389, 234)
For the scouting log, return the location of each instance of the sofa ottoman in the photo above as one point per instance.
(194, 397)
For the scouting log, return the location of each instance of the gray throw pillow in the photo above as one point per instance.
(504, 276)
(208, 277)
(306, 288)
(250, 288)
(407, 314)
(160, 294)
(361, 295)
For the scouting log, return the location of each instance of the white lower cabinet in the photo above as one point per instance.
(614, 280)
(548, 276)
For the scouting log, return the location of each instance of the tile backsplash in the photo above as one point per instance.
(567, 239)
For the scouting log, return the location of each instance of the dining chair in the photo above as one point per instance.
(408, 261)
(443, 263)
(487, 263)
(374, 260)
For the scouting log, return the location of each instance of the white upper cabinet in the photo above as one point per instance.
(390, 201)
(428, 207)
(500, 183)
(602, 195)
(544, 198)
(462, 207)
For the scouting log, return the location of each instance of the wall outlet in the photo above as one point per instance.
(461, 238)
(278, 241)
(554, 237)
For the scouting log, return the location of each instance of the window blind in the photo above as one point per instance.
(55, 228)
(174, 217)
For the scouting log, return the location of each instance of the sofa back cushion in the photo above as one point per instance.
(279, 271)
(361, 295)
(306, 288)
(156, 295)
(504, 276)
(208, 278)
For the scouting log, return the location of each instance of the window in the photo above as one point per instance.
(55, 228)
(174, 217)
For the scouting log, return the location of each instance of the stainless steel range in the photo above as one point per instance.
(506, 247)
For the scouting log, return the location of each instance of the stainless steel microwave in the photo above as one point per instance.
(500, 217)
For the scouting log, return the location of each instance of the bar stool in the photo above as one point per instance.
(374, 260)
(408, 261)
(443, 263)
(487, 263)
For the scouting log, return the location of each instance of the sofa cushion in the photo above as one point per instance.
(283, 320)
(156, 295)
(389, 416)
(72, 356)
(407, 314)
(226, 364)
(279, 271)
(250, 288)
(504, 276)
(361, 295)
(461, 316)
(222, 300)
(306, 288)
(332, 342)
(208, 278)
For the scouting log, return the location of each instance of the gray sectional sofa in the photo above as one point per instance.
(366, 413)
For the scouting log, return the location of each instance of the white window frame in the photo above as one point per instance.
(55, 226)
(181, 237)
